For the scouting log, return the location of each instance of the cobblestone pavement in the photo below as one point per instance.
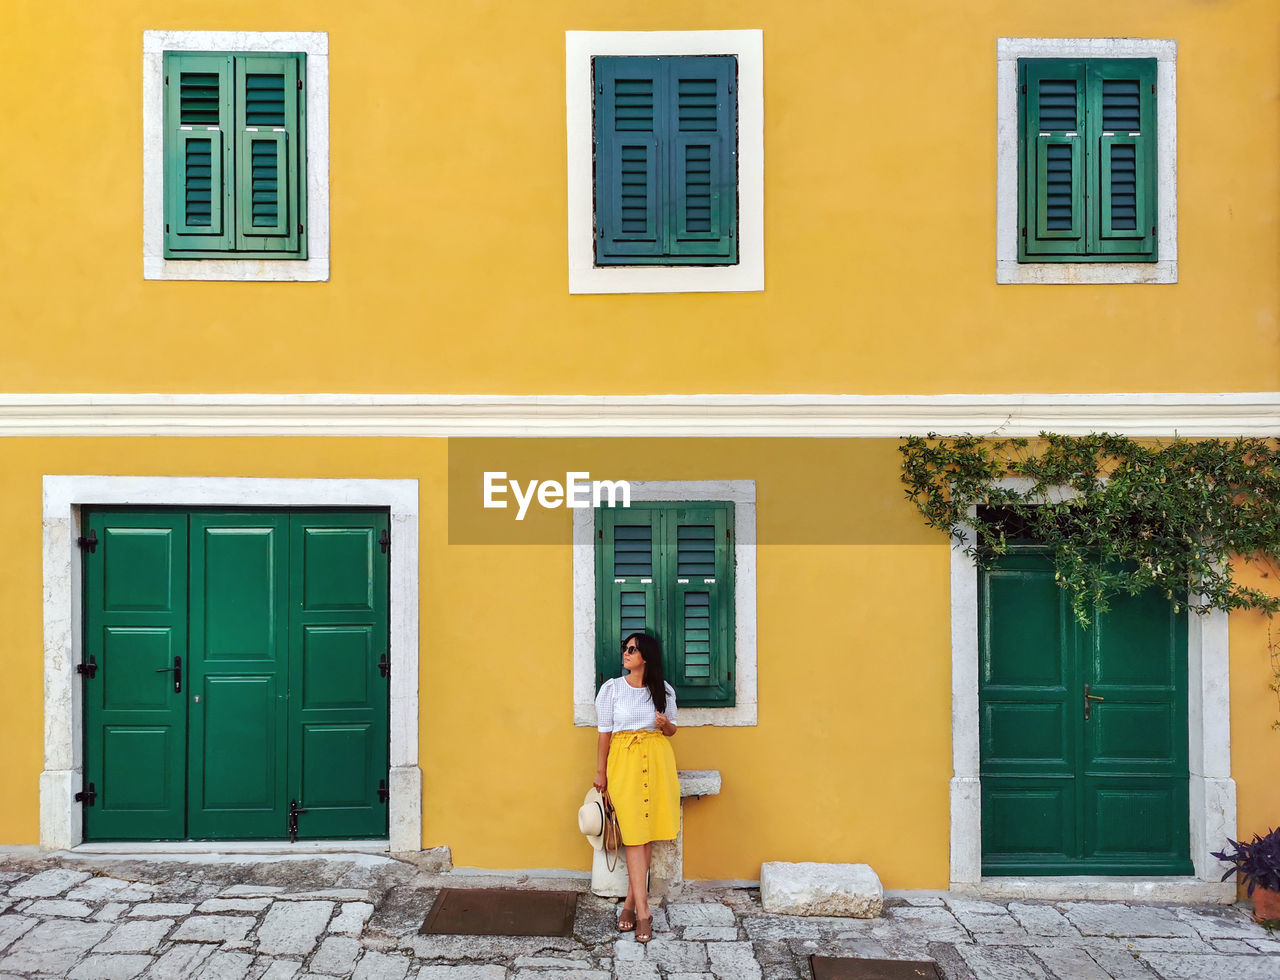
(90, 918)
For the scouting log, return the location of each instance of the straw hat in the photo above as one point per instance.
(591, 818)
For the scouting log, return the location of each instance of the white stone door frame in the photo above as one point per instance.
(1212, 790)
(61, 818)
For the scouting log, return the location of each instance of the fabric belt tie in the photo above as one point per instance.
(638, 738)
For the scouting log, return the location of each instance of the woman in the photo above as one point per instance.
(636, 716)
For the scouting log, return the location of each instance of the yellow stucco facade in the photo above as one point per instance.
(448, 276)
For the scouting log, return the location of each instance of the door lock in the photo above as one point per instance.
(176, 669)
(1088, 700)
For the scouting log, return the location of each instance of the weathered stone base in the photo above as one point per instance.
(809, 888)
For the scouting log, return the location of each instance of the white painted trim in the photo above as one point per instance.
(64, 496)
(1212, 803)
(315, 268)
(584, 275)
(743, 495)
(1148, 414)
(1008, 268)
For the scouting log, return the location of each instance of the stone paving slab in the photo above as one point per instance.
(358, 918)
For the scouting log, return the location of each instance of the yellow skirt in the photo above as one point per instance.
(644, 786)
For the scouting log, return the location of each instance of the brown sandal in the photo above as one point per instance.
(644, 929)
(627, 920)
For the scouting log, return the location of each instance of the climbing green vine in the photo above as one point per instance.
(1119, 516)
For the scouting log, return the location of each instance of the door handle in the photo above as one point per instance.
(176, 669)
(1089, 699)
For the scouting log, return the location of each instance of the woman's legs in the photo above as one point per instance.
(638, 877)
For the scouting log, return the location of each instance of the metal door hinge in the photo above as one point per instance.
(384, 794)
(87, 796)
(384, 666)
(384, 541)
(89, 669)
(291, 824)
(90, 543)
(299, 84)
(1024, 89)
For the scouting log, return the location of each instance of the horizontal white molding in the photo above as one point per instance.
(791, 416)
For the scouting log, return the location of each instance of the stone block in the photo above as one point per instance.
(60, 907)
(156, 910)
(715, 933)
(1006, 963)
(234, 905)
(381, 966)
(293, 927)
(97, 889)
(1183, 966)
(180, 962)
(53, 947)
(733, 961)
(489, 972)
(1106, 919)
(337, 955)
(704, 914)
(135, 937)
(112, 967)
(214, 928)
(227, 966)
(281, 970)
(351, 918)
(699, 782)
(47, 884)
(810, 888)
(13, 926)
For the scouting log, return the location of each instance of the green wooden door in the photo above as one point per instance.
(338, 694)
(239, 675)
(1083, 730)
(280, 620)
(135, 705)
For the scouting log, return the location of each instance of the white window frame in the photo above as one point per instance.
(314, 268)
(742, 493)
(1008, 269)
(584, 275)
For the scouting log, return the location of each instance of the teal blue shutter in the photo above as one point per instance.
(698, 585)
(1052, 166)
(627, 559)
(1122, 129)
(198, 160)
(702, 221)
(269, 152)
(628, 109)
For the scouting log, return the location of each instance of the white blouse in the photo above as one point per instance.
(623, 708)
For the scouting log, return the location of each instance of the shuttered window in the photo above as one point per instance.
(1087, 160)
(235, 155)
(667, 569)
(666, 160)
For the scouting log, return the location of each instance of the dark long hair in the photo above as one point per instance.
(651, 652)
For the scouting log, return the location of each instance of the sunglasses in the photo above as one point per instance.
(631, 649)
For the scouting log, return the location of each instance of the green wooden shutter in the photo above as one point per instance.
(628, 127)
(627, 562)
(697, 585)
(667, 568)
(1122, 145)
(198, 153)
(702, 148)
(269, 148)
(1052, 167)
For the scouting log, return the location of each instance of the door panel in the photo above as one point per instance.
(135, 722)
(239, 643)
(1121, 807)
(338, 698)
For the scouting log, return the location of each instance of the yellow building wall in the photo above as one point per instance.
(449, 243)
(850, 760)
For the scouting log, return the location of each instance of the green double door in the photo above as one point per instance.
(1083, 730)
(235, 683)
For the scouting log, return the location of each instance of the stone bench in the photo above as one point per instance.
(809, 888)
(667, 869)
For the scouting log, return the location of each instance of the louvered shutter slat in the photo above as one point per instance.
(268, 132)
(197, 126)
